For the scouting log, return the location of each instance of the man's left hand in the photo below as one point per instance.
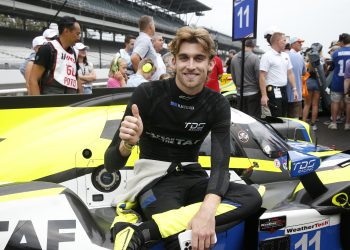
(295, 94)
(203, 224)
(203, 230)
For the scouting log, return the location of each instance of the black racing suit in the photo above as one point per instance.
(175, 125)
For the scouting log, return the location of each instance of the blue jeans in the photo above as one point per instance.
(87, 89)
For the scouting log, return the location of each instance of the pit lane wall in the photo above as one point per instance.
(12, 82)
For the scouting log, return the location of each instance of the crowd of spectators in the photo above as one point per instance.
(290, 82)
(284, 81)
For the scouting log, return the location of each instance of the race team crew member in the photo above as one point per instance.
(170, 119)
(55, 69)
(275, 67)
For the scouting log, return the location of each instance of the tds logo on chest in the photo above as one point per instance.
(24, 236)
(194, 126)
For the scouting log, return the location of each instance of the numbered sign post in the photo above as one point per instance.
(244, 19)
(244, 25)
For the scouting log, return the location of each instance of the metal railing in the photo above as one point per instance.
(100, 83)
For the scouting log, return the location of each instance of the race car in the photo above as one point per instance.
(62, 139)
(228, 88)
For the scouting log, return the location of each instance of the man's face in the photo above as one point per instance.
(130, 45)
(281, 43)
(192, 66)
(297, 46)
(158, 43)
(73, 36)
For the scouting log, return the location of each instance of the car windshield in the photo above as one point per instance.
(251, 134)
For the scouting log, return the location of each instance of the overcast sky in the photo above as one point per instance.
(313, 20)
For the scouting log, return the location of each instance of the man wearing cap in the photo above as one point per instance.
(50, 34)
(339, 59)
(26, 66)
(299, 69)
(275, 69)
(55, 69)
(251, 90)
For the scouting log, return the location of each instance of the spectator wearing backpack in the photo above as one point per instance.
(55, 69)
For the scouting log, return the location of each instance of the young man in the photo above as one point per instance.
(275, 68)
(55, 69)
(169, 119)
(126, 52)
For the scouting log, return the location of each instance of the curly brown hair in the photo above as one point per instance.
(193, 35)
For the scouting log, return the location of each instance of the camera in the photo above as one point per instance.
(314, 54)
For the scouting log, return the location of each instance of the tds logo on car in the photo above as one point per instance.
(302, 164)
(304, 167)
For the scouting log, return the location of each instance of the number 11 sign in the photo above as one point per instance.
(244, 19)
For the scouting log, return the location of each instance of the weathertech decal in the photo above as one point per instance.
(272, 224)
(307, 227)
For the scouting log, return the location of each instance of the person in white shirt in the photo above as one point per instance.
(143, 45)
(86, 70)
(26, 66)
(158, 42)
(275, 70)
(126, 52)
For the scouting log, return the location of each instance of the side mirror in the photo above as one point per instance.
(301, 134)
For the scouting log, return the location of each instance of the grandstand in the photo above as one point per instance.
(102, 16)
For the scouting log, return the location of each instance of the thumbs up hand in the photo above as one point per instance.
(131, 127)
